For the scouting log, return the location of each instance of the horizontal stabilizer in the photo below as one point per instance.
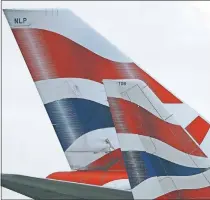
(39, 188)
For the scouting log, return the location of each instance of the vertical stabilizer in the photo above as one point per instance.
(162, 160)
(63, 55)
(68, 60)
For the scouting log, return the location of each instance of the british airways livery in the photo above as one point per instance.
(161, 158)
(124, 135)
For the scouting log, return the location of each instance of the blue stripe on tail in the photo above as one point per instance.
(72, 117)
(142, 165)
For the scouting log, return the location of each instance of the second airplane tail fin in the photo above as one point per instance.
(161, 158)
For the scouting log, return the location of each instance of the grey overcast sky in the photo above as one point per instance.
(170, 40)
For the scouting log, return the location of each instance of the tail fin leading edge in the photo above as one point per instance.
(161, 158)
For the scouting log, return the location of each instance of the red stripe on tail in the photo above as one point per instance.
(113, 161)
(49, 55)
(131, 118)
(201, 193)
(198, 128)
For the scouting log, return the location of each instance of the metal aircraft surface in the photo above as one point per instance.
(141, 143)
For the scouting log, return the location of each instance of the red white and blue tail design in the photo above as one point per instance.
(162, 160)
(68, 60)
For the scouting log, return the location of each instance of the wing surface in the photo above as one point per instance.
(38, 188)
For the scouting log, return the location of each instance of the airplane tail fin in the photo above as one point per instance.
(61, 52)
(162, 159)
(68, 61)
